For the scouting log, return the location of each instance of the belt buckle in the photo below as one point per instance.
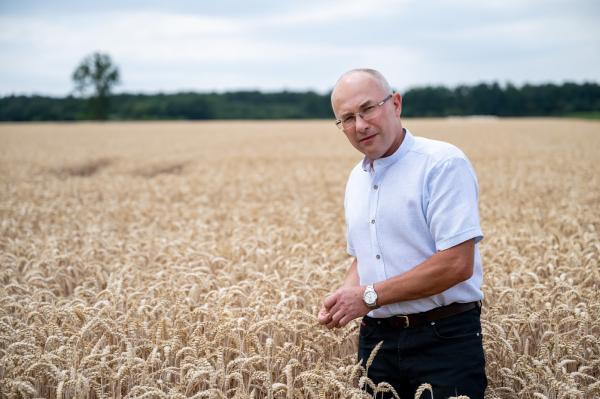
(406, 320)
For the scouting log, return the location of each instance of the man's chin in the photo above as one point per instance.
(372, 157)
(369, 153)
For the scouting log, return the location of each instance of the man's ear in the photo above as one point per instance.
(397, 99)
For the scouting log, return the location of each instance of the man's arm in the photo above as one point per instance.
(436, 274)
(351, 280)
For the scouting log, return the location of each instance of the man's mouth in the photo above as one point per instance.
(368, 138)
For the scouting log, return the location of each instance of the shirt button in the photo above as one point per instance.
(377, 256)
(375, 187)
(372, 221)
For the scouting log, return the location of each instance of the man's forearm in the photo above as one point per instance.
(441, 271)
(351, 278)
(438, 273)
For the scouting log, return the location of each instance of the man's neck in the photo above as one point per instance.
(393, 148)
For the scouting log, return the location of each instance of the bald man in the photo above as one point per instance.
(411, 208)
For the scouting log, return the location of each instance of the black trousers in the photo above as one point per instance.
(447, 354)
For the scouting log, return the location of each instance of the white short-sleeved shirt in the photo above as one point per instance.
(421, 199)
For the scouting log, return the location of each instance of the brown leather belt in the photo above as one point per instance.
(419, 319)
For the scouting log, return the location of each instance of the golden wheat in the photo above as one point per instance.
(150, 260)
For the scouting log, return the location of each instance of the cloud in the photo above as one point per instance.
(340, 11)
(302, 45)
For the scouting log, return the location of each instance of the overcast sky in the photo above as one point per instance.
(176, 45)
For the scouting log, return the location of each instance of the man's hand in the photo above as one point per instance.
(324, 316)
(343, 306)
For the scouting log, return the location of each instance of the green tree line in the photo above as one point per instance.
(567, 99)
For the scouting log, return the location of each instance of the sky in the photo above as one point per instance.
(272, 45)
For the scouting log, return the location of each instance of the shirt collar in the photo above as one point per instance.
(381, 163)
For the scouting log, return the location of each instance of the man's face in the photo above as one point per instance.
(379, 136)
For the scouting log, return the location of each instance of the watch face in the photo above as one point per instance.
(370, 297)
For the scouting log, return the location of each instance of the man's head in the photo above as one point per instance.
(372, 127)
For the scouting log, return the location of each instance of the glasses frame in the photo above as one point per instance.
(340, 124)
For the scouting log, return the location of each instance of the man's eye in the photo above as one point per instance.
(348, 119)
(368, 109)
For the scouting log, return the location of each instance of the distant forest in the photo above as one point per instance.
(568, 99)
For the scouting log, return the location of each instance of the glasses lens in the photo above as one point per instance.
(370, 112)
(349, 122)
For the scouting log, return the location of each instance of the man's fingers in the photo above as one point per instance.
(330, 301)
(335, 308)
(339, 320)
(324, 316)
(332, 323)
(345, 320)
(335, 319)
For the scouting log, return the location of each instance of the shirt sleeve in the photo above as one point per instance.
(452, 210)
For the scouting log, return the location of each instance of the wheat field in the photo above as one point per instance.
(180, 259)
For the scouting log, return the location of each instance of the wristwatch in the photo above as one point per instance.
(370, 297)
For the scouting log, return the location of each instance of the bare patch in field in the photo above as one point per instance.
(163, 168)
(83, 169)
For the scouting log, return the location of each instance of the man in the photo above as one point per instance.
(412, 227)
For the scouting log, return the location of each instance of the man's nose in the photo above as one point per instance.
(360, 123)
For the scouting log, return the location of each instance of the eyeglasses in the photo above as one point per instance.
(348, 122)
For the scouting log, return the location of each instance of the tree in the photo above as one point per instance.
(96, 72)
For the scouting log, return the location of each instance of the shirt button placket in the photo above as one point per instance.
(375, 195)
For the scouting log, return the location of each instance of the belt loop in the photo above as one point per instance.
(406, 321)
